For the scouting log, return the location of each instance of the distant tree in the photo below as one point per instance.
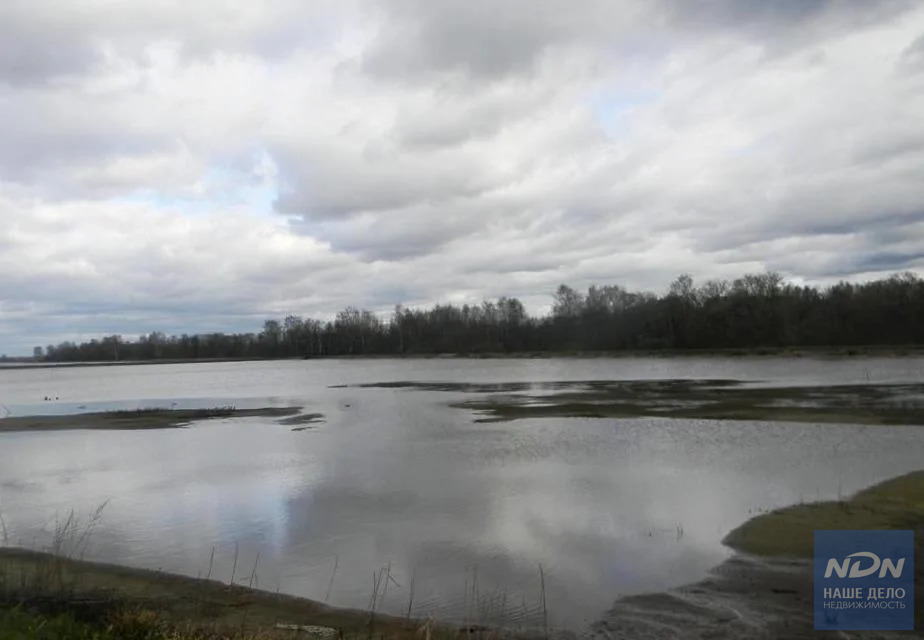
(755, 310)
(271, 336)
(568, 303)
(293, 329)
(682, 288)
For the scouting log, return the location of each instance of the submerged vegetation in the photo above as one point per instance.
(149, 418)
(302, 421)
(689, 399)
(757, 312)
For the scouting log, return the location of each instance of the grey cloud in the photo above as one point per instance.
(398, 245)
(822, 211)
(895, 147)
(847, 265)
(29, 59)
(875, 249)
(731, 13)
(419, 36)
(884, 261)
(398, 234)
(41, 42)
(460, 36)
(334, 183)
(777, 19)
(428, 151)
(456, 117)
(897, 236)
(487, 40)
(45, 132)
(913, 56)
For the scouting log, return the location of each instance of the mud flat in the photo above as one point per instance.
(142, 418)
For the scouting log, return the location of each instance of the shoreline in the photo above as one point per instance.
(200, 603)
(765, 590)
(833, 351)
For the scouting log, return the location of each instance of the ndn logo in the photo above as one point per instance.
(855, 570)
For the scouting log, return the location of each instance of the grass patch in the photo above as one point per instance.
(870, 404)
(302, 421)
(148, 418)
(789, 532)
(49, 597)
(25, 623)
(894, 504)
(119, 623)
(22, 624)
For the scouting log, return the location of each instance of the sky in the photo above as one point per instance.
(201, 166)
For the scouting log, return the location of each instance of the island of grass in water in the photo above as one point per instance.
(897, 404)
(155, 418)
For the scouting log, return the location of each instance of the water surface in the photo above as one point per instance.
(396, 481)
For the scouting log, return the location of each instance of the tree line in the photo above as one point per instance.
(754, 311)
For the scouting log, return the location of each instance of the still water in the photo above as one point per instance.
(395, 483)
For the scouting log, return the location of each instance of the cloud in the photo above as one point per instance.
(913, 56)
(84, 35)
(195, 167)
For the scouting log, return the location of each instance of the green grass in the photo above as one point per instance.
(23, 623)
(20, 624)
(894, 504)
(42, 592)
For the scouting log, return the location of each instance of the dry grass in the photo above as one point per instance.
(58, 587)
(169, 606)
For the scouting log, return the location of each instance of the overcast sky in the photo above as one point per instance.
(201, 165)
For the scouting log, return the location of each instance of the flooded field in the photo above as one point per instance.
(444, 485)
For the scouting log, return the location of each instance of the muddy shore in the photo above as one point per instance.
(766, 590)
(146, 418)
